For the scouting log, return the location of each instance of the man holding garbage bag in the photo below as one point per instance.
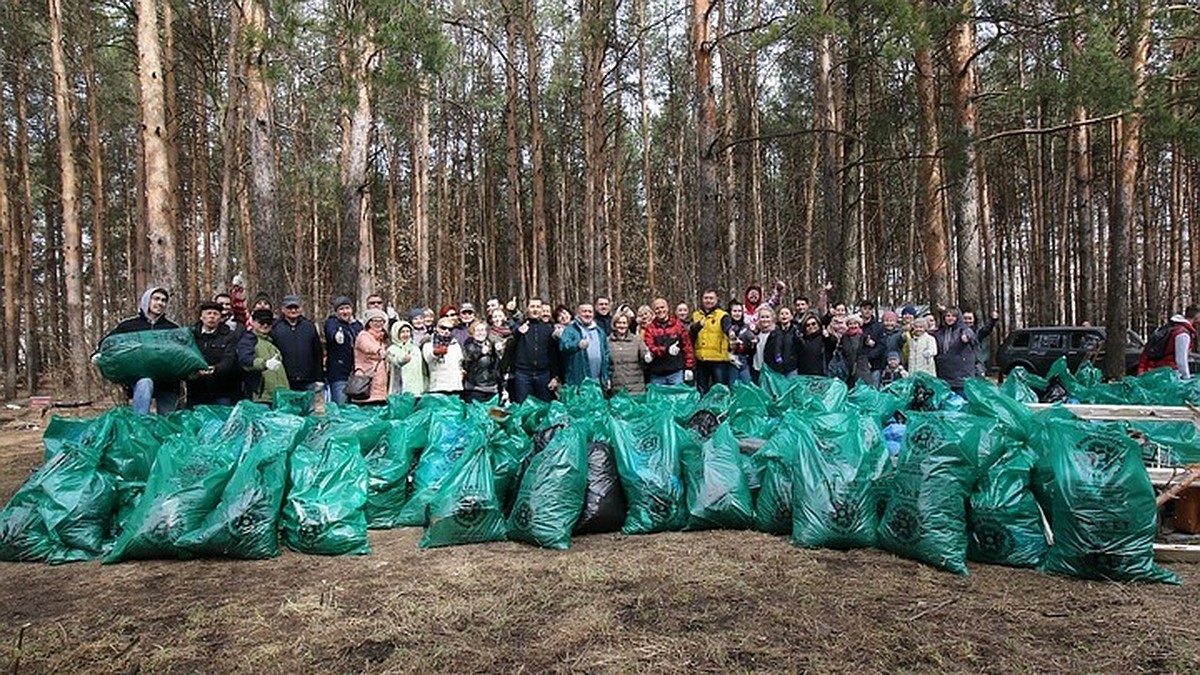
(261, 359)
(151, 316)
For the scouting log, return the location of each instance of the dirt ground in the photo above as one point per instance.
(686, 602)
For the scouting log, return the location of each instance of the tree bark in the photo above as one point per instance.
(96, 168)
(264, 176)
(707, 185)
(933, 226)
(967, 206)
(827, 121)
(1117, 323)
(419, 179)
(72, 236)
(355, 54)
(11, 263)
(512, 157)
(537, 156)
(159, 224)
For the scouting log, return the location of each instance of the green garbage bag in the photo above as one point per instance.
(868, 400)
(508, 451)
(1004, 522)
(834, 498)
(388, 465)
(777, 387)
(773, 507)
(81, 430)
(1174, 443)
(323, 510)
(130, 444)
(449, 440)
(749, 411)
(466, 510)
(292, 402)
(400, 406)
(818, 394)
(717, 493)
(1102, 509)
(551, 495)
(185, 484)
(987, 400)
(60, 514)
(919, 392)
(163, 355)
(205, 422)
(648, 461)
(245, 522)
(679, 400)
(926, 514)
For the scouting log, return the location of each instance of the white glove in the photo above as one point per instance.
(237, 279)
(673, 350)
(391, 312)
(648, 357)
(274, 363)
(927, 354)
(583, 343)
(688, 376)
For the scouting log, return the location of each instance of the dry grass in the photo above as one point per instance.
(697, 602)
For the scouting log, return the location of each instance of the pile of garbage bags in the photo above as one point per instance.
(912, 468)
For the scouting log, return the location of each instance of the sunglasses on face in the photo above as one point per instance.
(810, 323)
(451, 313)
(374, 302)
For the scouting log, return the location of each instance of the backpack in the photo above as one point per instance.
(1156, 345)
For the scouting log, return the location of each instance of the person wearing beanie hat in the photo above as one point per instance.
(420, 326)
(152, 308)
(888, 337)
(221, 382)
(370, 351)
(341, 329)
(893, 370)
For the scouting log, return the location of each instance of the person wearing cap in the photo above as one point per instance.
(443, 355)
(370, 352)
(151, 316)
(341, 330)
(466, 316)
(297, 339)
(260, 359)
(419, 325)
(221, 382)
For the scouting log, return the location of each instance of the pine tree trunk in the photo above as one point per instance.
(33, 350)
(419, 178)
(1117, 323)
(356, 128)
(11, 271)
(967, 208)
(827, 122)
(184, 274)
(708, 186)
(649, 206)
(159, 224)
(266, 245)
(72, 249)
(96, 167)
(516, 220)
(933, 227)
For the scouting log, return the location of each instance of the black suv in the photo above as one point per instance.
(1037, 348)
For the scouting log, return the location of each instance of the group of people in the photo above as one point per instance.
(252, 350)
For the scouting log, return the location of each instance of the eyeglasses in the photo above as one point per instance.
(374, 302)
(811, 323)
(451, 313)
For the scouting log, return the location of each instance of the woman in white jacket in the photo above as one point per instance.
(922, 349)
(443, 355)
(404, 356)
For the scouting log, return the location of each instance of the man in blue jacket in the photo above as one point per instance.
(300, 344)
(341, 329)
(584, 346)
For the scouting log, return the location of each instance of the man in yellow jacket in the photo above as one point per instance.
(711, 332)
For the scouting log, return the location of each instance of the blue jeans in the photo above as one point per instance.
(669, 378)
(739, 374)
(709, 373)
(526, 383)
(337, 392)
(144, 392)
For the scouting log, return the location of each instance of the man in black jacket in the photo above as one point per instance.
(300, 343)
(221, 382)
(151, 316)
(535, 359)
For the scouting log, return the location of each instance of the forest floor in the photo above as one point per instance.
(680, 602)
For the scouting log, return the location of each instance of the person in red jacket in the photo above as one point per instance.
(671, 359)
(1180, 342)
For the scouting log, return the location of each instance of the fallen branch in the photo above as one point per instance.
(927, 610)
(1193, 473)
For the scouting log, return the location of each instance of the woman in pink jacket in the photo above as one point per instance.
(370, 350)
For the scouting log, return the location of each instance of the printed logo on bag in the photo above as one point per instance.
(523, 515)
(993, 539)
(310, 530)
(818, 385)
(926, 439)
(469, 510)
(1101, 455)
(843, 516)
(648, 444)
(1102, 561)
(905, 524)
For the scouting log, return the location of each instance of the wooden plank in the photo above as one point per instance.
(1177, 553)
(1134, 413)
(1161, 477)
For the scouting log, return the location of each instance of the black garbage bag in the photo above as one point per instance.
(604, 502)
